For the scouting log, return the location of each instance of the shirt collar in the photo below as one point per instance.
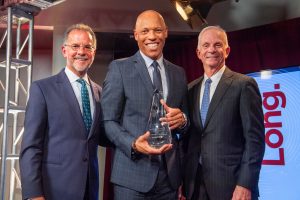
(149, 61)
(217, 76)
(73, 77)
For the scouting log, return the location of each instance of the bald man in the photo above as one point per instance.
(139, 170)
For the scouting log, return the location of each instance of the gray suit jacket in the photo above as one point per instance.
(57, 154)
(231, 142)
(126, 102)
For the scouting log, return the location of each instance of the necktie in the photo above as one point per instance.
(157, 84)
(205, 100)
(86, 110)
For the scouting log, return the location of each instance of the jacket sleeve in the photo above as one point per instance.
(254, 133)
(112, 103)
(31, 154)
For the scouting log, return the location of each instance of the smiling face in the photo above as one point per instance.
(150, 33)
(213, 48)
(79, 61)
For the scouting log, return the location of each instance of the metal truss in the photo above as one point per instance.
(14, 90)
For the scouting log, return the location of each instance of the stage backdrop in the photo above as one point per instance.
(280, 174)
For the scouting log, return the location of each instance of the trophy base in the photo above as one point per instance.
(158, 140)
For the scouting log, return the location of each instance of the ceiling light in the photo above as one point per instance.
(194, 12)
(184, 11)
(188, 13)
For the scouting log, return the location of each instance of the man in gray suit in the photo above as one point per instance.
(140, 171)
(226, 144)
(58, 158)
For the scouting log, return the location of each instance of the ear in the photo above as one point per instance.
(198, 53)
(166, 32)
(136, 35)
(227, 50)
(64, 51)
(94, 53)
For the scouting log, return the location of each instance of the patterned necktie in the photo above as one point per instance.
(205, 100)
(157, 84)
(86, 110)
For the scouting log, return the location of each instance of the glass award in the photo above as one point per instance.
(160, 133)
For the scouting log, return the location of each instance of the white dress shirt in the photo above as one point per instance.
(215, 81)
(77, 88)
(161, 67)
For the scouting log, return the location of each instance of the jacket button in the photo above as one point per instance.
(84, 159)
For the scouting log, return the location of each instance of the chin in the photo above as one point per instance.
(213, 63)
(81, 69)
(154, 56)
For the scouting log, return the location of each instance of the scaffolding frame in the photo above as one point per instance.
(13, 88)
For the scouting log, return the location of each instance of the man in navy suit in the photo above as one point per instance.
(58, 158)
(140, 171)
(226, 144)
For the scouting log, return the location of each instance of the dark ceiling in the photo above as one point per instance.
(113, 20)
(120, 15)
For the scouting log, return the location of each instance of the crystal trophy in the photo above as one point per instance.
(160, 133)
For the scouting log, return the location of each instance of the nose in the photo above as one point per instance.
(81, 50)
(211, 48)
(151, 34)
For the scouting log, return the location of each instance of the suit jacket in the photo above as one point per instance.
(231, 142)
(57, 154)
(126, 102)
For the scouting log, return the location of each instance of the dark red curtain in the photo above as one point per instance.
(265, 47)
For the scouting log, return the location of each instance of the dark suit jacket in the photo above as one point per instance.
(126, 101)
(57, 153)
(231, 142)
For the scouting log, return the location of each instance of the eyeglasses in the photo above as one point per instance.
(76, 47)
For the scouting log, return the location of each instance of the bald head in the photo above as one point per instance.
(150, 33)
(152, 14)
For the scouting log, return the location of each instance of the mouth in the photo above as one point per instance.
(212, 57)
(81, 59)
(152, 46)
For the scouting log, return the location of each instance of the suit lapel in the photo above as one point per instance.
(70, 98)
(141, 67)
(196, 105)
(170, 81)
(96, 99)
(221, 90)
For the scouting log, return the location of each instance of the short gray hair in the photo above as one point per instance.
(82, 27)
(213, 27)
